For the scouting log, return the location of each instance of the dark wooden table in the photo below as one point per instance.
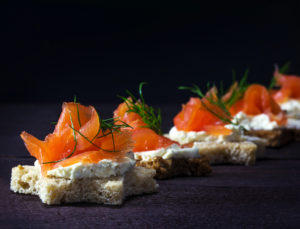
(266, 195)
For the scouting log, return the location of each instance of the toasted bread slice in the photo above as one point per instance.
(243, 153)
(112, 190)
(261, 144)
(275, 138)
(167, 168)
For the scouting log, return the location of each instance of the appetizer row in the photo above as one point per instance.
(91, 159)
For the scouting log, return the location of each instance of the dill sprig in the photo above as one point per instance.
(107, 127)
(91, 142)
(78, 116)
(283, 70)
(150, 116)
(110, 124)
(272, 83)
(214, 100)
(238, 89)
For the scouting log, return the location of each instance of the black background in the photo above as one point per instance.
(53, 51)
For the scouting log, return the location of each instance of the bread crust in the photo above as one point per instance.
(210, 153)
(167, 168)
(242, 153)
(275, 138)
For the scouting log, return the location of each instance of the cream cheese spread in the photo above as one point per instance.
(174, 151)
(293, 123)
(292, 108)
(256, 122)
(184, 137)
(103, 169)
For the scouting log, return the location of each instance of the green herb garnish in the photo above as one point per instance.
(87, 139)
(238, 89)
(106, 125)
(150, 116)
(216, 99)
(78, 116)
(283, 70)
(272, 83)
(109, 125)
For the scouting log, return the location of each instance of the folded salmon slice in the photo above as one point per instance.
(144, 138)
(90, 157)
(258, 100)
(78, 133)
(132, 119)
(196, 115)
(289, 87)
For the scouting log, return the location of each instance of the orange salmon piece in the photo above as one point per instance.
(258, 100)
(131, 118)
(120, 142)
(237, 107)
(90, 157)
(233, 87)
(60, 144)
(71, 108)
(146, 139)
(194, 116)
(217, 130)
(289, 87)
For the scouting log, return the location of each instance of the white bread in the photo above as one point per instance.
(228, 152)
(112, 190)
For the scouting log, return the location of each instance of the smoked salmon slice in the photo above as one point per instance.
(134, 120)
(144, 138)
(195, 117)
(90, 157)
(77, 136)
(289, 87)
(258, 100)
(202, 115)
